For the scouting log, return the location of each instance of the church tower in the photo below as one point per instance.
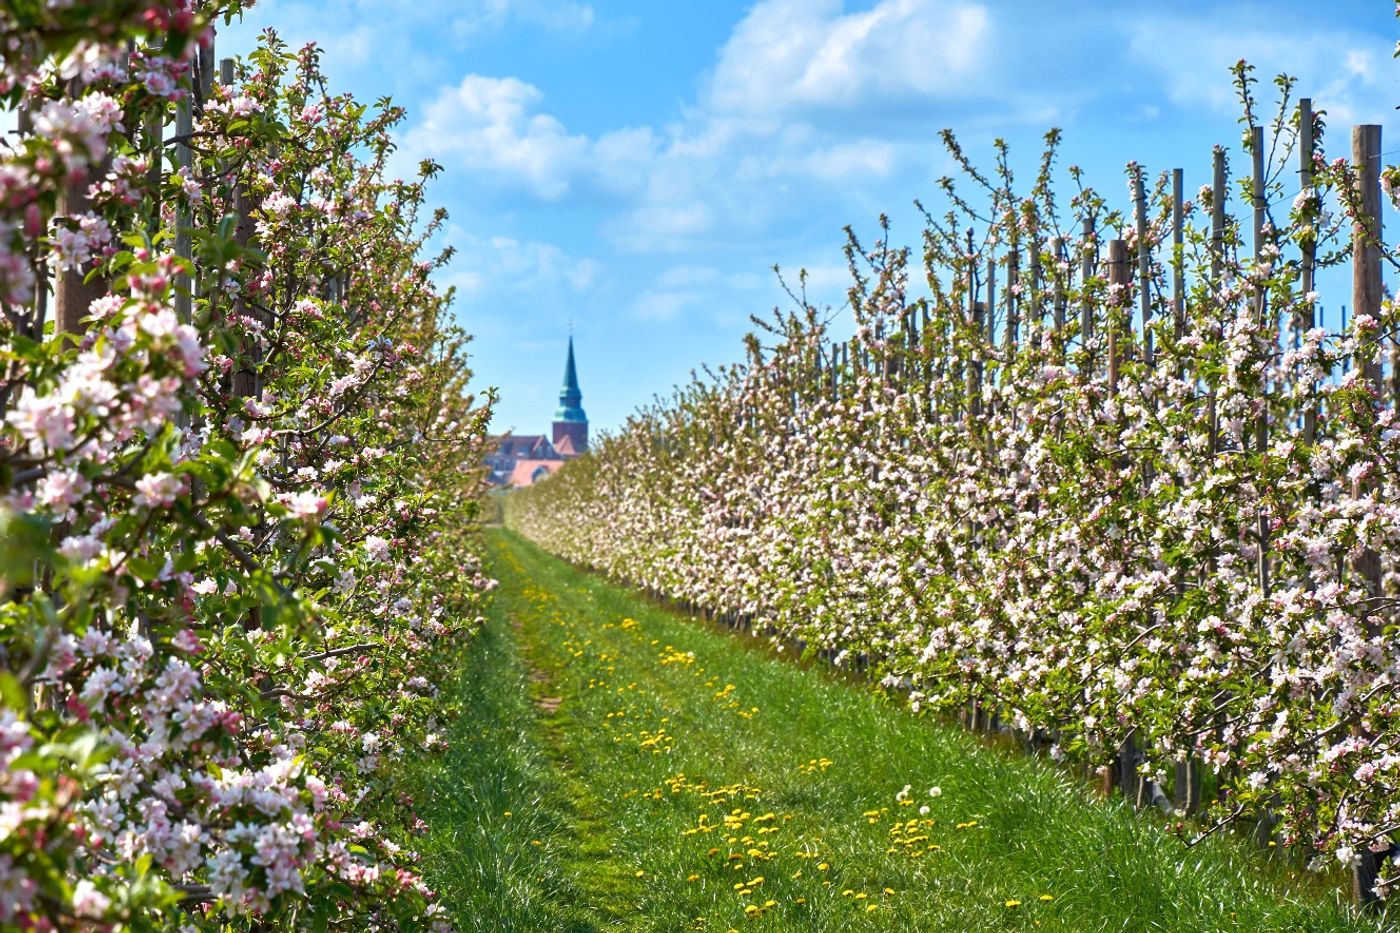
(570, 423)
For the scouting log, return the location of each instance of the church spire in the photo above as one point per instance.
(570, 421)
(570, 396)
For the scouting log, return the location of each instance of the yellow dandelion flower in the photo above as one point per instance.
(1013, 903)
(1047, 897)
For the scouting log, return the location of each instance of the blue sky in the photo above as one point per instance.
(638, 168)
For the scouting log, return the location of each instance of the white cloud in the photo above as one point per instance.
(758, 135)
(812, 53)
(869, 159)
(415, 50)
(687, 275)
(486, 265)
(490, 124)
(691, 275)
(1341, 71)
(661, 305)
(622, 158)
(484, 16)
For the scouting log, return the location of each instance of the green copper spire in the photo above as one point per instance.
(570, 398)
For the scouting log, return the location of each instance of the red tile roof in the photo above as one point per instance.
(523, 445)
(565, 447)
(525, 470)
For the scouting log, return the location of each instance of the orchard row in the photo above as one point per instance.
(237, 462)
(1107, 479)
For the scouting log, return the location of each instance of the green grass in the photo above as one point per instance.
(620, 736)
(491, 798)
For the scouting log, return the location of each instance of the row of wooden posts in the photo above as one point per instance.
(74, 290)
(841, 363)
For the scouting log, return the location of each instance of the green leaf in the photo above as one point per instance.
(12, 693)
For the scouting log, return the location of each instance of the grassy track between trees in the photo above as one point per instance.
(618, 767)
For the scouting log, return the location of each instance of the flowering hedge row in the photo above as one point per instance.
(237, 462)
(1109, 541)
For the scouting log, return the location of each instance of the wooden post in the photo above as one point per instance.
(184, 243)
(1144, 257)
(73, 292)
(835, 368)
(1261, 310)
(1217, 259)
(207, 58)
(245, 377)
(1086, 271)
(974, 369)
(1013, 311)
(1118, 281)
(1366, 299)
(1186, 783)
(991, 314)
(987, 342)
(1395, 372)
(1057, 246)
(1037, 277)
(1217, 217)
(1307, 318)
(1178, 254)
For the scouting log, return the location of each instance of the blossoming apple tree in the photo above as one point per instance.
(237, 457)
(1108, 479)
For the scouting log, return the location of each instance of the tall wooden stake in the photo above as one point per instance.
(1178, 254)
(1366, 299)
(1144, 257)
(1118, 281)
(1308, 318)
(1261, 310)
(1057, 247)
(1086, 271)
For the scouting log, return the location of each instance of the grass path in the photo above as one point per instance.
(616, 767)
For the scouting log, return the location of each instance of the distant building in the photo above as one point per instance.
(525, 459)
(570, 423)
(529, 472)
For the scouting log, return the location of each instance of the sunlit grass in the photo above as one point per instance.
(662, 777)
